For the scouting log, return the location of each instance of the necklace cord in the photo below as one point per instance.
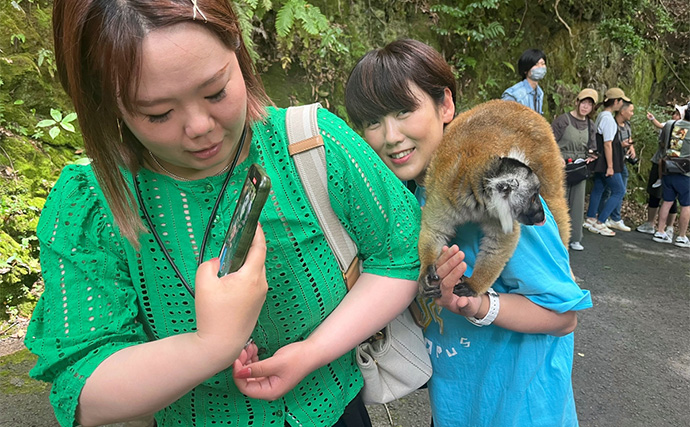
(147, 216)
(220, 196)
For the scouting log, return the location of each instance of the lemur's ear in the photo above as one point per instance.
(506, 186)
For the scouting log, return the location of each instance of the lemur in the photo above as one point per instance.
(490, 168)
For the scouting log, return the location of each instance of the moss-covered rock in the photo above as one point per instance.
(30, 160)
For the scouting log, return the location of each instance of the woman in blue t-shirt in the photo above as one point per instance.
(516, 369)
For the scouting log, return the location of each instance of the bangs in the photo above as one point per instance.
(374, 91)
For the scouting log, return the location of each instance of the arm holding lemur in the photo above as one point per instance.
(538, 292)
(517, 313)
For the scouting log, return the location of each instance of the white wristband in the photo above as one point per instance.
(494, 306)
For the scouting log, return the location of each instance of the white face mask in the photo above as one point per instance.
(537, 74)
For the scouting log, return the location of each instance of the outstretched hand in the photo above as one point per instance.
(451, 268)
(272, 378)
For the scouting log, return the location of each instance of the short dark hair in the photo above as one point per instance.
(529, 59)
(380, 82)
(687, 113)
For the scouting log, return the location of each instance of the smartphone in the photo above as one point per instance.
(242, 227)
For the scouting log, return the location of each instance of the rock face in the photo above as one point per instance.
(36, 141)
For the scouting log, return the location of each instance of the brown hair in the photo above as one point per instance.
(380, 82)
(98, 51)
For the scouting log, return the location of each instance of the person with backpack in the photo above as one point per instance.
(654, 183)
(609, 165)
(674, 161)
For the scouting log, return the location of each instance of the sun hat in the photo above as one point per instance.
(615, 93)
(588, 93)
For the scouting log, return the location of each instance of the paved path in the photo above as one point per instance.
(632, 349)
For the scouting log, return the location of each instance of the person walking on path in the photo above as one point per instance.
(675, 143)
(576, 136)
(607, 171)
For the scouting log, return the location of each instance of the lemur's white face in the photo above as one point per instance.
(513, 195)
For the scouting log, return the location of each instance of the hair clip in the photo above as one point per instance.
(195, 8)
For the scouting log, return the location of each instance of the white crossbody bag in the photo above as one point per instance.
(395, 361)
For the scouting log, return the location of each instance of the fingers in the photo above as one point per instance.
(258, 246)
(449, 260)
(450, 267)
(257, 251)
(255, 369)
(209, 268)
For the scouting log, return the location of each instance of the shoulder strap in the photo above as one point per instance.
(308, 153)
(665, 137)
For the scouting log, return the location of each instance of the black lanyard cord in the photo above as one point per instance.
(147, 216)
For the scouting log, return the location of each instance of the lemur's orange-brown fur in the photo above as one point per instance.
(456, 176)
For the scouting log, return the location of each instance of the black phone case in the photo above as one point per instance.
(242, 227)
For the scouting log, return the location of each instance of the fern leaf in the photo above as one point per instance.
(285, 18)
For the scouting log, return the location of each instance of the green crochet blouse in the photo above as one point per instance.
(101, 295)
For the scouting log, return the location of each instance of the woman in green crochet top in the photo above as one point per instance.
(173, 114)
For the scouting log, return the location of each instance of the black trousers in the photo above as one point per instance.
(355, 415)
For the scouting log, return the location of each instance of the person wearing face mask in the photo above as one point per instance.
(532, 69)
(576, 137)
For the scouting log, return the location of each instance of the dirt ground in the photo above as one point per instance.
(632, 349)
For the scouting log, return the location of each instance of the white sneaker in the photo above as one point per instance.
(601, 228)
(576, 246)
(589, 223)
(662, 238)
(618, 225)
(646, 228)
(682, 241)
(669, 231)
(656, 184)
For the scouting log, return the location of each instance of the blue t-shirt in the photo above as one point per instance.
(491, 376)
(523, 93)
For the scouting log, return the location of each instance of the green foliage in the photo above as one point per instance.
(624, 34)
(47, 57)
(468, 24)
(634, 24)
(57, 122)
(15, 39)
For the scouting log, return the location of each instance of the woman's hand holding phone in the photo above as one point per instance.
(227, 307)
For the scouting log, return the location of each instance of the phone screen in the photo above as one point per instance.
(244, 220)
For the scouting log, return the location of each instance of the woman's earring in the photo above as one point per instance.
(119, 130)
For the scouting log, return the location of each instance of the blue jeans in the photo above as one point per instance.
(616, 214)
(601, 182)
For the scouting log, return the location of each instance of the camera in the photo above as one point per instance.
(632, 160)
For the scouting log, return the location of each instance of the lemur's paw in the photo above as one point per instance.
(430, 284)
(462, 289)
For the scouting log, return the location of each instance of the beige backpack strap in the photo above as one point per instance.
(308, 153)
